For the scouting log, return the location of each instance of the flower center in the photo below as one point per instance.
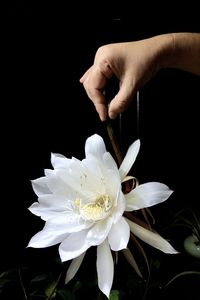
(97, 210)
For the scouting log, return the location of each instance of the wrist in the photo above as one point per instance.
(165, 47)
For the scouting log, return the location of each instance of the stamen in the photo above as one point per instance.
(97, 210)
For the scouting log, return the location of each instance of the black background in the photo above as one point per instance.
(45, 109)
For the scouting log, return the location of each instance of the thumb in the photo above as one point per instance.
(122, 99)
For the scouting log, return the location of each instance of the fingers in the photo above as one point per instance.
(94, 81)
(85, 75)
(122, 100)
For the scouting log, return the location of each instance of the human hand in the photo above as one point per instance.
(132, 63)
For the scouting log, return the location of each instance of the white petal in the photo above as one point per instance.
(59, 161)
(146, 195)
(99, 232)
(74, 266)
(50, 201)
(45, 238)
(129, 159)
(40, 186)
(151, 238)
(42, 211)
(95, 145)
(76, 181)
(120, 207)
(110, 162)
(93, 166)
(66, 223)
(112, 184)
(73, 246)
(105, 268)
(58, 186)
(49, 206)
(119, 235)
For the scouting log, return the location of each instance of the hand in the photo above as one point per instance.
(133, 64)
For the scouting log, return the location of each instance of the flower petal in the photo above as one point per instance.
(40, 186)
(59, 161)
(112, 185)
(119, 235)
(120, 207)
(66, 223)
(49, 206)
(151, 238)
(42, 211)
(57, 185)
(98, 233)
(95, 145)
(105, 268)
(131, 260)
(146, 195)
(78, 183)
(73, 246)
(129, 159)
(74, 266)
(45, 238)
(110, 162)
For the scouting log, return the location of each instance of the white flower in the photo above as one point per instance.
(83, 204)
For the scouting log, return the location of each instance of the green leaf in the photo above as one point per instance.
(39, 278)
(114, 295)
(50, 289)
(7, 273)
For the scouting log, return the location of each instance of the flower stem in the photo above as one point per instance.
(114, 143)
(22, 285)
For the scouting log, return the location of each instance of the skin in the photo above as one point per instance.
(134, 63)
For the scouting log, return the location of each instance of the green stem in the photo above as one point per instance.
(22, 285)
(56, 284)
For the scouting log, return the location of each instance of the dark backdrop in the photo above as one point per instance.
(46, 109)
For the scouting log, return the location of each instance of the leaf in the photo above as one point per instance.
(7, 273)
(50, 289)
(114, 295)
(39, 278)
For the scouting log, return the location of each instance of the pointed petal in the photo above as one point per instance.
(98, 233)
(131, 260)
(57, 185)
(129, 159)
(95, 145)
(120, 207)
(66, 223)
(49, 206)
(74, 266)
(119, 235)
(105, 268)
(112, 184)
(42, 211)
(59, 161)
(151, 238)
(76, 182)
(73, 246)
(110, 162)
(45, 238)
(146, 195)
(40, 186)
